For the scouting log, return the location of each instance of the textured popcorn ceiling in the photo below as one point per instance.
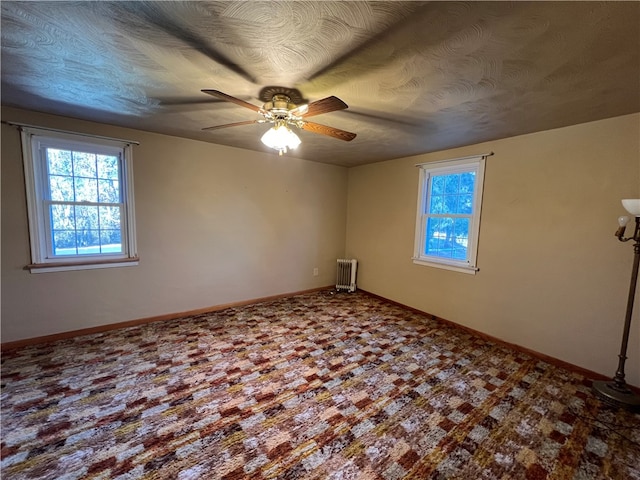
(418, 77)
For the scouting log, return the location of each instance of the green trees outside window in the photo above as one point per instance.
(450, 205)
(85, 205)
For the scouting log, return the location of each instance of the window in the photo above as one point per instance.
(79, 201)
(448, 219)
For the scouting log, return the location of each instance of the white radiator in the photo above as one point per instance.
(346, 277)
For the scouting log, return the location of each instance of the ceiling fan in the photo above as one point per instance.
(284, 108)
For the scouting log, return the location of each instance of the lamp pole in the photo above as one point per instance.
(617, 392)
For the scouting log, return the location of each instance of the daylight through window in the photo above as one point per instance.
(448, 219)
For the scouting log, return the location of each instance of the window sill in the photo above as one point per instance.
(89, 265)
(447, 266)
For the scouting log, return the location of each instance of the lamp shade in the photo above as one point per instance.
(632, 205)
(280, 138)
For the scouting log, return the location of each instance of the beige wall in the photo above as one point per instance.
(552, 277)
(215, 225)
(218, 225)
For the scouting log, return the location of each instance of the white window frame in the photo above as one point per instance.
(474, 163)
(34, 141)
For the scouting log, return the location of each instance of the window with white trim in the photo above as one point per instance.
(79, 201)
(448, 218)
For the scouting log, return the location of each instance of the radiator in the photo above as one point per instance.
(346, 277)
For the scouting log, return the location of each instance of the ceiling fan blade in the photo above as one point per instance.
(229, 98)
(300, 111)
(236, 124)
(408, 19)
(326, 105)
(330, 131)
(147, 18)
(177, 101)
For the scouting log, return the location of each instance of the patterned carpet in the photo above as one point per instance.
(317, 386)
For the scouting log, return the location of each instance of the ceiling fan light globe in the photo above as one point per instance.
(292, 139)
(280, 138)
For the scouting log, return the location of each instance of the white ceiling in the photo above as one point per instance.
(417, 76)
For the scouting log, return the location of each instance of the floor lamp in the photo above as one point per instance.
(616, 392)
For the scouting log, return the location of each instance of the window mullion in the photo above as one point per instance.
(87, 204)
(48, 227)
(449, 215)
(43, 190)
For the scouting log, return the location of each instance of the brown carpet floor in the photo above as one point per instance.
(317, 386)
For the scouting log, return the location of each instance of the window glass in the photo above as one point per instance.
(93, 227)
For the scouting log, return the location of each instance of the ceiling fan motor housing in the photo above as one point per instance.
(279, 105)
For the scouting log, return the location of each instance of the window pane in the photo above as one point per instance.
(437, 185)
(437, 244)
(86, 217)
(452, 183)
(108, 167)
(59, 162)
(447, 237)
(467, 182)
(110, 241)
(437, 204)
(86, 189)
(465, 204)
(84, 164)
(61, 188)
(461, 233)
(62, 217)
(109, 217)
(436, 235)
(109, 191)
(86, 229)
(450, 204)
(88, 241)
(64, 242)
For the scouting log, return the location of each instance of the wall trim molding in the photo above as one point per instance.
(589, 374)
(27, 342)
